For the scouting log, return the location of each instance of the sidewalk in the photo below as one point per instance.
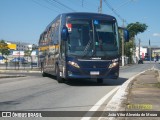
(141, 94)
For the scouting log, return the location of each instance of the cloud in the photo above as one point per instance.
(156, 34)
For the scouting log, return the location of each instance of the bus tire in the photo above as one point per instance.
(116, 76)
(99, 80)
(59, 79)
(43, 73)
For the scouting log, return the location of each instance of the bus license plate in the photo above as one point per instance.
(94, 72)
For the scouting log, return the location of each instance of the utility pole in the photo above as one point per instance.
(100, 7)
(150, 50)
(139, 49)
(19, 55)
(123, 45)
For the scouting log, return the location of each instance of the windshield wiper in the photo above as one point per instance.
(85, 52)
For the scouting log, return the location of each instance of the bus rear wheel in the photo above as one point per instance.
(99, 80)
(59, 79)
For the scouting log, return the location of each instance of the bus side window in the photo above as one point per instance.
(62, 48)
(55, 27)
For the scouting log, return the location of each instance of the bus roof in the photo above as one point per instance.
(85, 15)
(89, 15)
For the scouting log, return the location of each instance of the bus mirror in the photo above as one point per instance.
(124, 33)
(64, 33)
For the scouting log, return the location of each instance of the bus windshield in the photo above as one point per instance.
(90, 38)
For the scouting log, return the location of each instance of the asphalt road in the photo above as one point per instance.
(37, 93)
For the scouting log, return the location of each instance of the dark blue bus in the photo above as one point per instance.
(80, 45)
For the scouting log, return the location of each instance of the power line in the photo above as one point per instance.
(88, 6)
(58, 6)
(114, 11)
(42, 5)
(91, 6)
(64, 5)
(52, 3)
(123, 4)
(110, 7)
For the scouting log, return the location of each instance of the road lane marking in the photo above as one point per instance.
(100, 102)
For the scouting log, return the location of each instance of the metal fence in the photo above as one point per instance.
(12, 62)
(19, 66)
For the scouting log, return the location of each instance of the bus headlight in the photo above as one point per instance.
(73, 64)
(114, 63)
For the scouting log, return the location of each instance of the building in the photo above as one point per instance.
(17, 50)
(12, 46)
(19, 46)
(141, 52)
(147, 52)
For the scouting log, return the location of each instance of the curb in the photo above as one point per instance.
(116, 103)
(11, 76)
(19, 71)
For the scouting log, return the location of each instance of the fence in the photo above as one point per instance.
(20, 64)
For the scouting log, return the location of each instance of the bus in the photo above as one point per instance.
(80, 45)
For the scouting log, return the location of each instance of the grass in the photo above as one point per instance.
(157, 84)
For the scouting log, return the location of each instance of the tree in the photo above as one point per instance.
(28, 53)
(4, 49)
(129, 46)
(136, 28)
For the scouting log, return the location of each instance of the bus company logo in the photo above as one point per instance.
(6, 114)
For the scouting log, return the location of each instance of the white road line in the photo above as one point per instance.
(100, 102)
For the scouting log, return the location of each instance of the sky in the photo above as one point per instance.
(25, 20)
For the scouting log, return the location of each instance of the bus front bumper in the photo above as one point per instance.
(88, 73)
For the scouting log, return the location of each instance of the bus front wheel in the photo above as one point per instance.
(43, 73)
(59, 79)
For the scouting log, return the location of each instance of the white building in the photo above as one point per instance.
(142, 51)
